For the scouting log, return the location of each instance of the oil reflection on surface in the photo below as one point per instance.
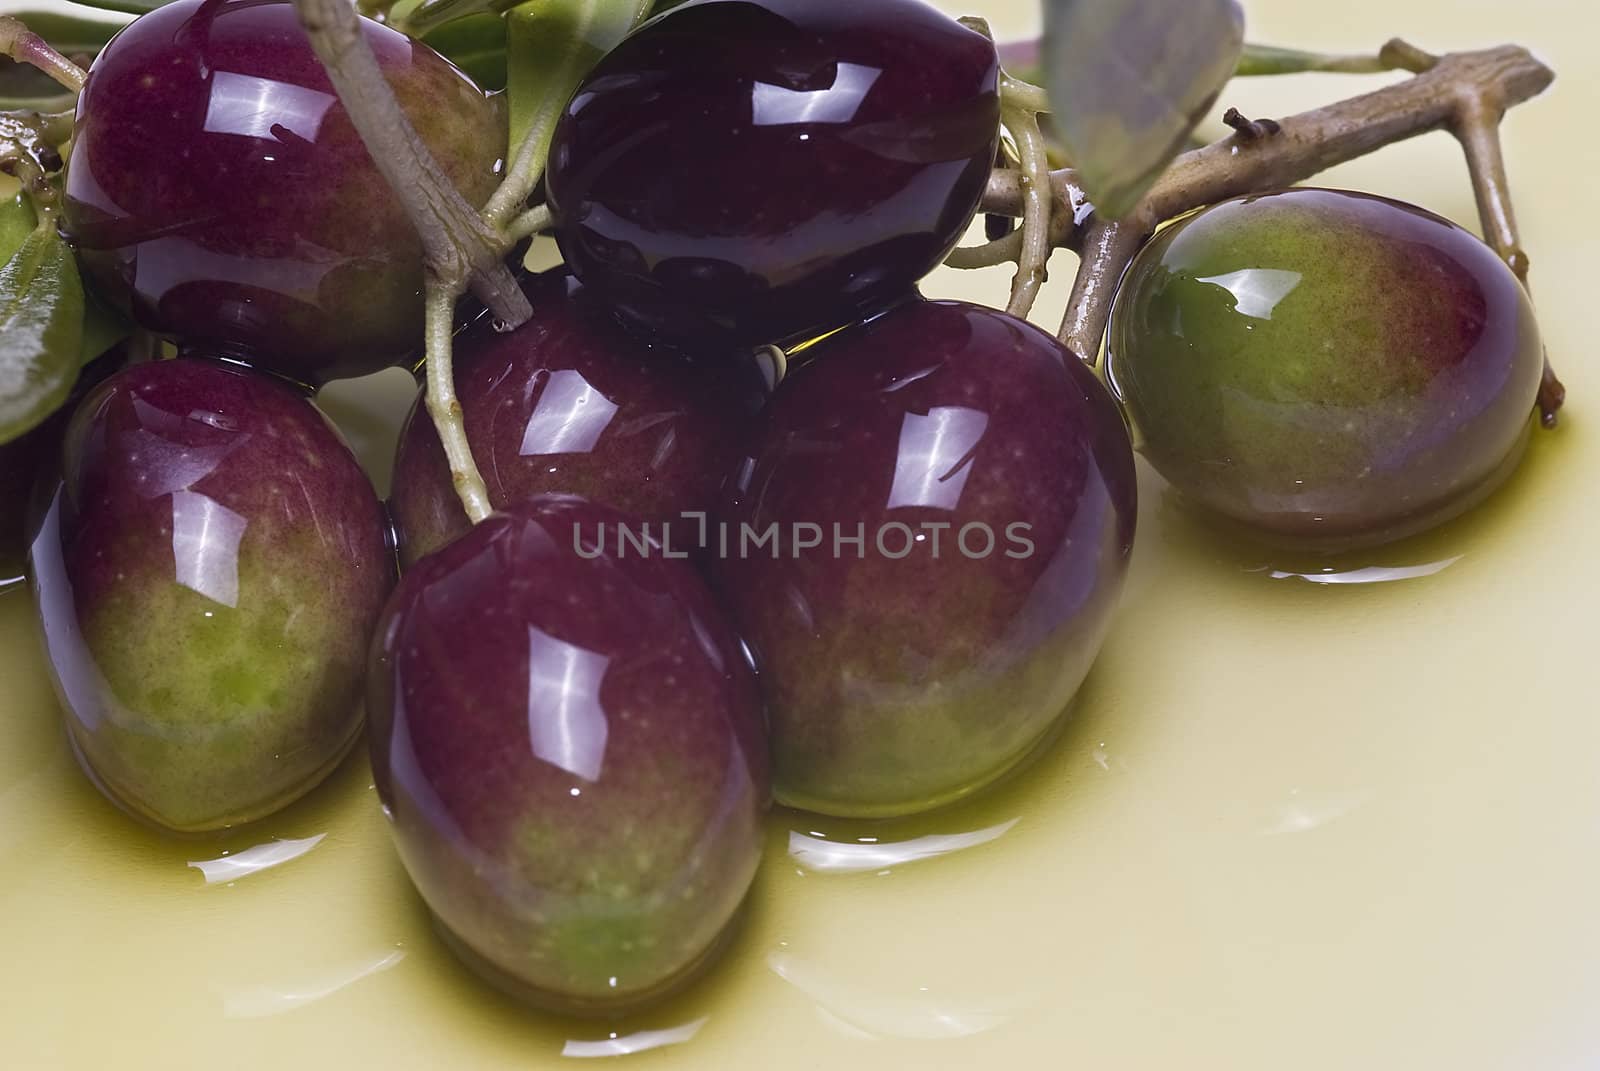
(228, 868)
(630, 1044)
(1366, 574)
(868, 1013)
(817, 854)
(262, 1001)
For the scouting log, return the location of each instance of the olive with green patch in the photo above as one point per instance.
(925, 548)
(1325, 369)
(569, 747)
(208, 576)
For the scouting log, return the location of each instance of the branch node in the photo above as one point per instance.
(1517, 260)
(1251, 129)
(459, 245)
(1400, 55)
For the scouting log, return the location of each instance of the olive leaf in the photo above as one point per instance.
(476, 44)
(425, 18)
(126, 7)
(1130, 80)
(550, 46)
(41, 330)
(17, 221)
(102, 327)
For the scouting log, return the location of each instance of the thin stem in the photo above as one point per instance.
(534, 221)
(1108, 247)
(1005, 250)
(460, 248)
(23, 45)
(1478, 130)
(1066, 224)
(1016, 93)
(1445, 94)
(1037, 201)
(527, 165)
(1314, 141)
(1401, 55)
(1260, 60)
(56, 127)
(443, 405)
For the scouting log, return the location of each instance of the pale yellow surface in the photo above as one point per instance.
(1294, 826)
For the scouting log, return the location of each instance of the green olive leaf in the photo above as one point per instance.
(126, 7)
(422, 17)
(102, 328)
(427, 17)
(476, 44)
(17, 221)
(550, 46)
(1130, 80)
(41, 330)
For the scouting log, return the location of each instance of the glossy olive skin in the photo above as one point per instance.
(217, 190)
(905, 674)
(570, 403)
(570, 752)
(764, 171)
(1326, 370)
(208, 577)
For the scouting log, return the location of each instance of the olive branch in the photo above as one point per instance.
(467, 247)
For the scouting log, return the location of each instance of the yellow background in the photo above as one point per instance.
(1295, 825)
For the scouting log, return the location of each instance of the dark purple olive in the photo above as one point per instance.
(1326, 370)
(218, 190)
(567, 740)
(764, 171)
(569, 403)
(208, 577)
(925, 548)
